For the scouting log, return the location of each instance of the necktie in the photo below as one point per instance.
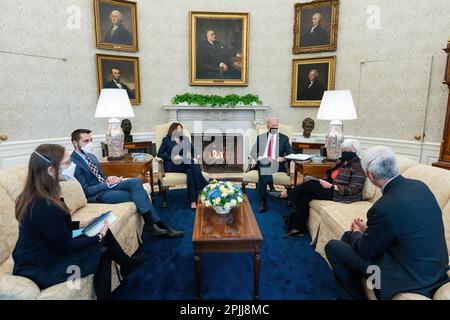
(269, 151)
(94, 169)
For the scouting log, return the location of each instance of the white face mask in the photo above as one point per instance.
(88, 148)
(68, 172)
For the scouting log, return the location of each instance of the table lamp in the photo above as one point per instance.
(114, 104)
(336, 105)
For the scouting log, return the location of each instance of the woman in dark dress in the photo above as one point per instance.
(343, 183)
(45, 250)
(178, 154)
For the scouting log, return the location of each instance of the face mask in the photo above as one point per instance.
(347, 156)
(273, 130)
(68, 172)
(88, 148)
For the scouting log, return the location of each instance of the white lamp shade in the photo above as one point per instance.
(114, 103)
(337, 105)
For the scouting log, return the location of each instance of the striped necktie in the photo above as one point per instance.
(94, 169)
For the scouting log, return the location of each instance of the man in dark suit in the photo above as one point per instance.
(402, 248)
(269, 152)
(99, 188)
(214, 61)
(116, 84)
(315, 35)
(117, 34)
(312, 90)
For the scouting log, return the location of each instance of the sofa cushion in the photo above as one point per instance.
(17, 288)
(8, 226)
(13, 180)
(339, 216)
(73, 194)
(437, 179)
(278, 178)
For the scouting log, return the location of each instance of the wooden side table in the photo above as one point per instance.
(129, 168)
(308, 168)
(237, 231)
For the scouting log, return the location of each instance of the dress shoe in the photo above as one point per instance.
(153, 229)
(134, 263)
(294, 233)
(174, 233)
(262, 207)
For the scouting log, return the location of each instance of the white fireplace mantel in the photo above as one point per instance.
(198, 113)
(221, 120)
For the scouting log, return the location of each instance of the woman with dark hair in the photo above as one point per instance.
(178, 154)
(45, 247)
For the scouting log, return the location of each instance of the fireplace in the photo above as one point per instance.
(219, 153)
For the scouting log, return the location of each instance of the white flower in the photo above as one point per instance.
(203, 198)
(217, 200)
(239, 199)
(233, 202)
(207, 203)
(227, 206)
(231, 191)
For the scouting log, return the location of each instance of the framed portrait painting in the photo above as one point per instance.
(316, 26)
(310, 79)
(116, 25)
(219, 49)
(119, 72)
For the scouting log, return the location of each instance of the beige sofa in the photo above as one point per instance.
(127, 230)
(329, 220)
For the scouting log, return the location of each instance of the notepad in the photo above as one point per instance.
(298, 157)
(96, 226)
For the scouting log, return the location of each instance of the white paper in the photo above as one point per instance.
(298, 157)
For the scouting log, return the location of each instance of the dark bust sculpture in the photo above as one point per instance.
(308, 126)
(126, 127)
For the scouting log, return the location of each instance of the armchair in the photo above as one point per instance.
(169, 179)
(279, 178)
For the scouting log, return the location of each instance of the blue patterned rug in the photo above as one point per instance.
(290, 268)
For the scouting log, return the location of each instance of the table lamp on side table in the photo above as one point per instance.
(336, 105)
(114, 104)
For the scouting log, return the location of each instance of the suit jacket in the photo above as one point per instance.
(209, 57)
(166, 148)
(282, 148)
(120, 36)
(89, 182)
(405, 238)
(318, 37)
(315, 92)
(113, 85)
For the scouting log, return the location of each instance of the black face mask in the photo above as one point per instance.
(273, 130)
(347, 156)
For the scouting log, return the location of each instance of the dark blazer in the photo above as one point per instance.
(405, 238)
(350, 180)
(45, 247)
(209, 57)
(319, 37)
(89, 182)
(282, 148)
(315, 92)
(120, 36)
(113, 85)
(166, 148)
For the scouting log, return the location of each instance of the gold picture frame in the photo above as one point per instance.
(129, 74)
(316, 26)
(116, 25)
(310, 78)
(218, 48)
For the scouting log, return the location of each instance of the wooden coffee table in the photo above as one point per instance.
(234, 232)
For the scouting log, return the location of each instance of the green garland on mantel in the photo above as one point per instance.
(231, 100)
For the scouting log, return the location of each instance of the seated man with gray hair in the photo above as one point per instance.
(402, 246)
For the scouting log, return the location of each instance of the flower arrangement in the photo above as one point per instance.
(222, 196)
(231, 100)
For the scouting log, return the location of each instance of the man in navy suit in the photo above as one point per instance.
(99, 188)
(269, 152)
(403, 244)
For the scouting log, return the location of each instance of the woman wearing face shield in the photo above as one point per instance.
(343, 183)
(174, 151)
(45, 247)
